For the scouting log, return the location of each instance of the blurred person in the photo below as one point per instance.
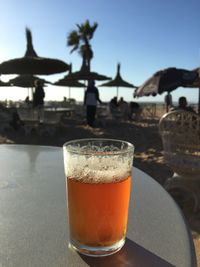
(114, 108)
(124, 108)
(38, 99)
(91, 98)
(27, 102)
(64, 103)
(183, 105)
(135, 110)
(113, 103)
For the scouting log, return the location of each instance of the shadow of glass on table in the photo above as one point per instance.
(131, 255)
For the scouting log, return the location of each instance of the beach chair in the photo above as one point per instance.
(102, 115)
(180, 133)
(115, 112)
(50, 123)
(5, 120)
(135, 111)
(30, 118)
(28, 114)
(79, 111)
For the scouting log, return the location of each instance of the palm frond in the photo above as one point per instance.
(80, 38)
(73, 38)
(74, 48)
(93, 29)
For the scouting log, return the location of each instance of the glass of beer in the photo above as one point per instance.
(98, 179)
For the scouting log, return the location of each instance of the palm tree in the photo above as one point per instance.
(80, 40)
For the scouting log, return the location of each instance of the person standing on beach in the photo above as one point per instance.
(38, 98)
(91, 98)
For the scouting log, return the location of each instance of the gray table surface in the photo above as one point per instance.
(33, 220)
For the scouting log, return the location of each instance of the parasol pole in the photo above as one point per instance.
(199, 93)
(32, 93)
(117, 91)
(167, 106)
(199, 102)
(69, 92)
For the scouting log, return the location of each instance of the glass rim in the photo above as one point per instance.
(130, 147)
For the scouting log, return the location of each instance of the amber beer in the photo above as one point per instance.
(98, 197)
(98, 212)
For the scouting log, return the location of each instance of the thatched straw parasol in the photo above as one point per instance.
(26, 80)
(86, 75)
(118, 81)
(4, 83)
(31, 63)
(69, 82)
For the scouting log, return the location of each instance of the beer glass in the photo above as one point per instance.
(98, 178)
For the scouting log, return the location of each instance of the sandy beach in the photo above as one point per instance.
(142, 133)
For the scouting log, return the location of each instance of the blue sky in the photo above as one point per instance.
(144, 36)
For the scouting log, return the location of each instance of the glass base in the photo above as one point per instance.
(96, 251)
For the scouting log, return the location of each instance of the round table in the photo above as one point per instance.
(33, 217)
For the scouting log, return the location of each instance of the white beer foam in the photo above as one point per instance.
(97, 168)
